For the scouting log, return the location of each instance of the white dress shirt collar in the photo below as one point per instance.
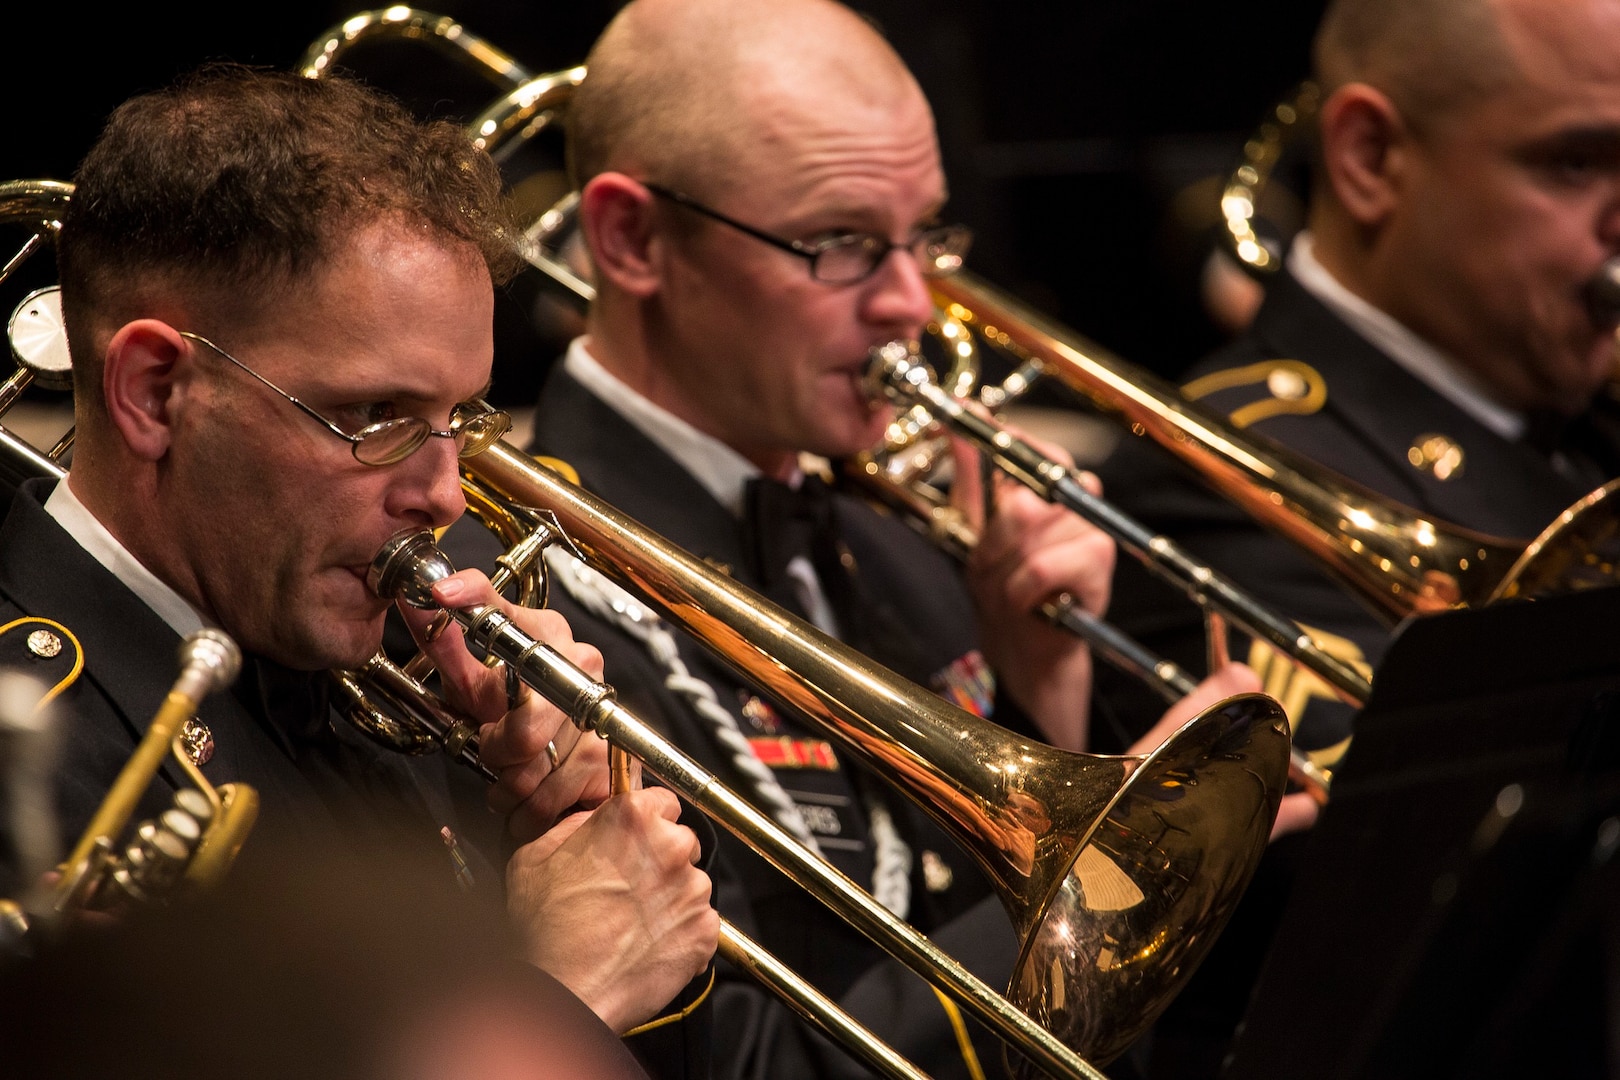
(92, 535)
(722, 471)
(1426, 363)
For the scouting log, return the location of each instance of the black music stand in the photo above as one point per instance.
(1457, 909)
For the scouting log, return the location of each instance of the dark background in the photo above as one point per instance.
(1083, 142)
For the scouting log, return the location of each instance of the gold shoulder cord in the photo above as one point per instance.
(1296, 389)
(670, 1018)
(78, 653)
(964, 1043)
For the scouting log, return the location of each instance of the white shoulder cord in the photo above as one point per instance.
(891, 884)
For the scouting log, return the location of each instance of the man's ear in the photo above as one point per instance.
(140, 374)
(1365, 150)
(616, 215)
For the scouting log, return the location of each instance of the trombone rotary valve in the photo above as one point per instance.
(407, 567)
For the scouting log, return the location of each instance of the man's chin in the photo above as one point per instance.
(338, 645)
(859, 433)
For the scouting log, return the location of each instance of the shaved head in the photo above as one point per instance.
(685, 91)
(1428, 56)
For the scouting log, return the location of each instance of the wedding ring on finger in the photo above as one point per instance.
(551, 752)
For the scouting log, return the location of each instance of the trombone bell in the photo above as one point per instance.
(1117, 872)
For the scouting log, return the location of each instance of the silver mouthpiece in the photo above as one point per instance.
(406, 567)
(214, 653)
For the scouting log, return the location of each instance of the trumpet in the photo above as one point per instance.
(190, 845)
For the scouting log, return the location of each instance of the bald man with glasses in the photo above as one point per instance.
(762, 200)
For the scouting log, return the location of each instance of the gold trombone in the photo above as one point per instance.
(1117, 872)
(1397, 560)
(896, 476)
(524, 111)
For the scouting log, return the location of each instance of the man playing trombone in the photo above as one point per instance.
(1443, 332)
(278, 296)
(761, 195)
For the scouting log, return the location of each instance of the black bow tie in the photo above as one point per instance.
(781, 523)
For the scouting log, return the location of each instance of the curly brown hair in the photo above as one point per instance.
(235, 184)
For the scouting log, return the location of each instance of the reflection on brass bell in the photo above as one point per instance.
(198, 742)
(937, 875)
(1436, 454)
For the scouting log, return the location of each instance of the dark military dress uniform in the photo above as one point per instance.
(916, 619)
(1304, 378)
(112, 660)
(271, 730)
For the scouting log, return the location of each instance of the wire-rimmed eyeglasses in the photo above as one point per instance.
(473, 424)
(850, 257)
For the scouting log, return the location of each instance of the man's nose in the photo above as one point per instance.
(429, 484)
(898, 296)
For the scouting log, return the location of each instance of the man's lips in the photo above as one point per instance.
(360, 571)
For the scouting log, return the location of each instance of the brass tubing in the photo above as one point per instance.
(1395, 559)
(413, 24)
(812, 1005)
(1042, 822)
(944, 525)
(209, 661)
(592, 706)
(898, 371)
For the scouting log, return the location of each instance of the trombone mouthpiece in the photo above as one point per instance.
(407, 566)
(214, 654)
(1603, 293)
(889, 364)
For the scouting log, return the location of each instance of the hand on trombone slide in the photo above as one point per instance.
(605, 889)
(1298, 810)
(545, 766)
(1030, 550)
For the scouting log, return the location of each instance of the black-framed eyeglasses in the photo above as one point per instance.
(852, 257)
(473, 424)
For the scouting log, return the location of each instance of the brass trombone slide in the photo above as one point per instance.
(1392, 557)
(408, 566)
(932, 514)
(1050, 828)
(898, 372)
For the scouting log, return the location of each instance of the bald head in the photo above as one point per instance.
(686, 91)
(1428, 56)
